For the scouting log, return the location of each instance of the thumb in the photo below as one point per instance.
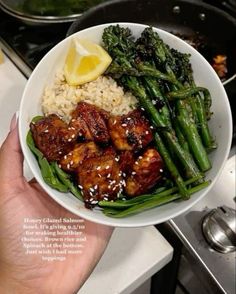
(11, 157)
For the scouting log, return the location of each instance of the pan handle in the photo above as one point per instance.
(228, 5)
(229, 80)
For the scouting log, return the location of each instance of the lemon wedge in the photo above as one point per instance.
(85, 62)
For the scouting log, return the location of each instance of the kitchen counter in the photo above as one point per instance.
(133, 255)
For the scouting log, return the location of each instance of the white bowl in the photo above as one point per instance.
(220, 125)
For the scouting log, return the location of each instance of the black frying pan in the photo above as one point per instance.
(213, 28)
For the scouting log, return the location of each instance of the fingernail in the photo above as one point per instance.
(14, 121)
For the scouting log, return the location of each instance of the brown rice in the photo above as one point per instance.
(61, 98)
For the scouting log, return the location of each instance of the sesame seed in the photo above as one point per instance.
(69, 128)
(120, 174)
(114, 189)
(91, 194)
(107, 167)
(117, 159)
(154, 102)
(59, 152)
(128, 118)
(72, 137)
(114, 122)
(95, 187)
(127, 132)
(133, 173)
(68, 166)
(72, 128)
(142, 109)
(91, 189)
(46, 131)
(65, 156)
(140, 157)
(70, 153)
(69, 140)
(136, 162)
(151, 127)
(147, 132)
(124, 125)
(94, 202)
(161, 170)
(72, 162)
(99, 175)
(81, 187)
(108, 176)
(124, 174)
(73, 119)
(59, 165)
(98, 168)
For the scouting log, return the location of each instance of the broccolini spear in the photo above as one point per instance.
(163, 56)
(178, 65)
(124, 54)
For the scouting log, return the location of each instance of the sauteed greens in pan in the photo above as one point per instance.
(56, 8)
(129, 163)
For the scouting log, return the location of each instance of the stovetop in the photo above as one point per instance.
(30, 43)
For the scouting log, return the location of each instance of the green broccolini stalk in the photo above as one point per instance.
(171, 166)
(200, 106)
(151, 203)
(180, 136)
(159, 192)
(133, 84)
(185, 93)
(158, 99)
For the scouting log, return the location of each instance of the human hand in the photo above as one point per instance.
(22, 273)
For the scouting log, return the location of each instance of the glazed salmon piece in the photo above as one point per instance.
(100, 178)
(130, 132)
(53, 137)
(81, 151)
(146, 172)
(95, 119)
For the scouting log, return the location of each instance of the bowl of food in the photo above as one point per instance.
(125, 125)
